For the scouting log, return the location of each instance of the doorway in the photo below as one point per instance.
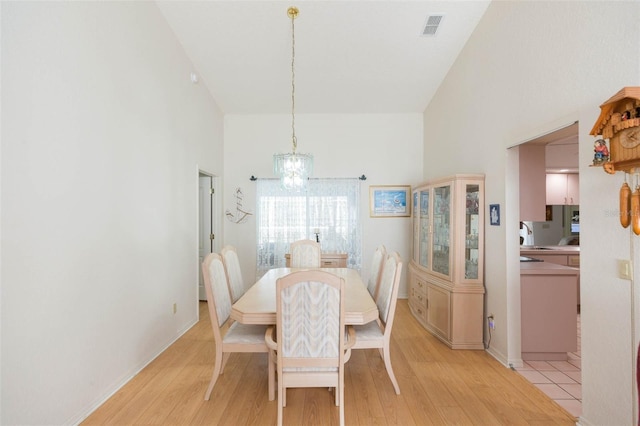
(560, 159)
(206, 234)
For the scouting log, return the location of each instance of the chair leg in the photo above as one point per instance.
(387, 363)
(217, 370)
(281, 402)
(225, 358)
(272, 376)
(340, 390)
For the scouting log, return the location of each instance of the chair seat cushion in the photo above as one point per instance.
(245, 333)
(370, 331)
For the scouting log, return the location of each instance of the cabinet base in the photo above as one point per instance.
(545, 356)
(453, 345)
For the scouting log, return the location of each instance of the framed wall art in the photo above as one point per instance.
(390, 201)
(494, 214)
(548, 213)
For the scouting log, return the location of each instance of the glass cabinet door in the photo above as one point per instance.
(472, 228)
(424, 229)
(441, 229)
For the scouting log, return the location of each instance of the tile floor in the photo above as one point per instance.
(560, 380)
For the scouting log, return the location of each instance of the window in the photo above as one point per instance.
(331, 206)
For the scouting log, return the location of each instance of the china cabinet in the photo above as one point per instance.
(446, 286)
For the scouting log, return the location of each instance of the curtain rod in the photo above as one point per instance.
(253, 178)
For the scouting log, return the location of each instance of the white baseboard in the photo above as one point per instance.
(76, 420)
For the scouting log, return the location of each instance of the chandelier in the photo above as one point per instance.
(293, 168)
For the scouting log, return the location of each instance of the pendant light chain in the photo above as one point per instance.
(294, 140)
(293, 168)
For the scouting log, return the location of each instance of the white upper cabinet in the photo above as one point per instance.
(573, 189)
(563, 188)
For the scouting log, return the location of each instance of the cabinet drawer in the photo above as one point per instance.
(332, 263)
(419, 307)
(327, 260)
(419, 286)
(333, 260)
(558, 259)
(419, 297)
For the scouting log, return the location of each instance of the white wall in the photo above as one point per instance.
(102, 137)
(387, 148)
(529, 68)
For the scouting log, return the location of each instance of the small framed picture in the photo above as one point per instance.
(494, 214)
(390, 201)
(548, 213)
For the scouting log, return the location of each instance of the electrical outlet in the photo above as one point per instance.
(175, 308)
(492, 324)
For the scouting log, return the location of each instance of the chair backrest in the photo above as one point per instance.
(310, 321)
(375, 271)
(305, 254)
(218, 298)
(388, 291)
(234, 273)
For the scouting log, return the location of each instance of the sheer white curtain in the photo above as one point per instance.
(332, 206)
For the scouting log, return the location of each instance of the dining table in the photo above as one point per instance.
(258, 304)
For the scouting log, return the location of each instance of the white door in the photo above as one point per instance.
(205, 206)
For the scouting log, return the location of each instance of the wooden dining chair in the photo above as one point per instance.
(238, 337)
(305, 254)
(375, 270)
(234, 273)
(309, 338)
(377, 334)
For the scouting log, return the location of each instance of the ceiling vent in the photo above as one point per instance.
(432, 25)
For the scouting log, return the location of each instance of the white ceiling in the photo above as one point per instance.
(351, 56)
(561, 149)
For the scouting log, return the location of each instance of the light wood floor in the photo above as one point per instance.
(438, 387)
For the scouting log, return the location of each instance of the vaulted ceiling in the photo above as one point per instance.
(350, 56)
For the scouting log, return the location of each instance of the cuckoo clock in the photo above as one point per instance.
(619, 122)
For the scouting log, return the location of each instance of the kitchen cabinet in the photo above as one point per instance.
(548, 317)
(559, 255)
(446, 287)
(563, 189)
(532, 182)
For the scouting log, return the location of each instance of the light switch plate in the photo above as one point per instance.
(624, 269)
